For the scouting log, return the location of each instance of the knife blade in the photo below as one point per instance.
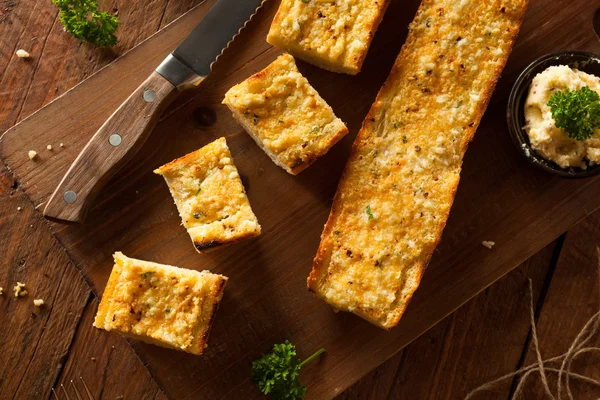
(186, 64)
(126, 130)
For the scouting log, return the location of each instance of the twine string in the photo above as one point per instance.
(538, 354)
(542, 367)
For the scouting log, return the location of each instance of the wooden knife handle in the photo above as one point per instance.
(109, 149)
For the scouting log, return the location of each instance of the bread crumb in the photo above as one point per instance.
(19, 208)
(19, 289)
(22, 53)
(1, 291)
(93, 358)
(32, 154)
(49, 147)
(488, 244)
(38, 302)
(61, 145)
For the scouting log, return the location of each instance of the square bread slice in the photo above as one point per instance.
(285, 115)
(160, 304)
(333, 35)
(210, 197)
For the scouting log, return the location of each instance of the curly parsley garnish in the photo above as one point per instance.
(83, 20)
(278, 372)
(577, 112)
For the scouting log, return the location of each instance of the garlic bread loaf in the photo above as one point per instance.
(398, 186)
(285, 115)
(160, 304)
(333, 35)
(210, 197)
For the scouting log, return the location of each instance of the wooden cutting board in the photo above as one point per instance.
(500, 198)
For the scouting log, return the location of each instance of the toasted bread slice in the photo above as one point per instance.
(160, 304)
(333, 35)
(210, 197)
(398, 186)
(285, 115)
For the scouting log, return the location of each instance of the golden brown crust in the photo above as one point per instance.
(312, 31)
(103, 308)
(160, 304)
(322, 280)
(273, 107)
(210, 197)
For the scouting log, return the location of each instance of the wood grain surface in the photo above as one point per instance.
(405, 372)
(42, 348)
(573, 297)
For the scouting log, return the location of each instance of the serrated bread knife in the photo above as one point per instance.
(122, 135)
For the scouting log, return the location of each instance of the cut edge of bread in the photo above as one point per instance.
(103, 308)
(203, 331)
(248, 128)
(204, 247)
(313, 59)
(298, 167)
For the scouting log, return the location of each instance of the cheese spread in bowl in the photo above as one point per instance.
(546, 138)
(568, 80)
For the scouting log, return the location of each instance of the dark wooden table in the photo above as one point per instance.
(41, 348)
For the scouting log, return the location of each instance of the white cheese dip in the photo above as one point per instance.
(554, 143)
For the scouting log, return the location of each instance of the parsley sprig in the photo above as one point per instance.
(278, 372)
(577, 112)
(83, 20)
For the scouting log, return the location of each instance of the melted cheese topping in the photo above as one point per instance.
(210, 197)
(334, 35)
(286, 115)
(554, 143)
(399, 184)
(160, 304)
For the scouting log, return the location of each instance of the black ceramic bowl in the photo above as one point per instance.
(586, 62)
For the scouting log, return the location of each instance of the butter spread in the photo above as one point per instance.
(546, 139)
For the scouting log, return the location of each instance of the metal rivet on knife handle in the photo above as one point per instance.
(149, 95)
(70, 197)
(115, 139)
